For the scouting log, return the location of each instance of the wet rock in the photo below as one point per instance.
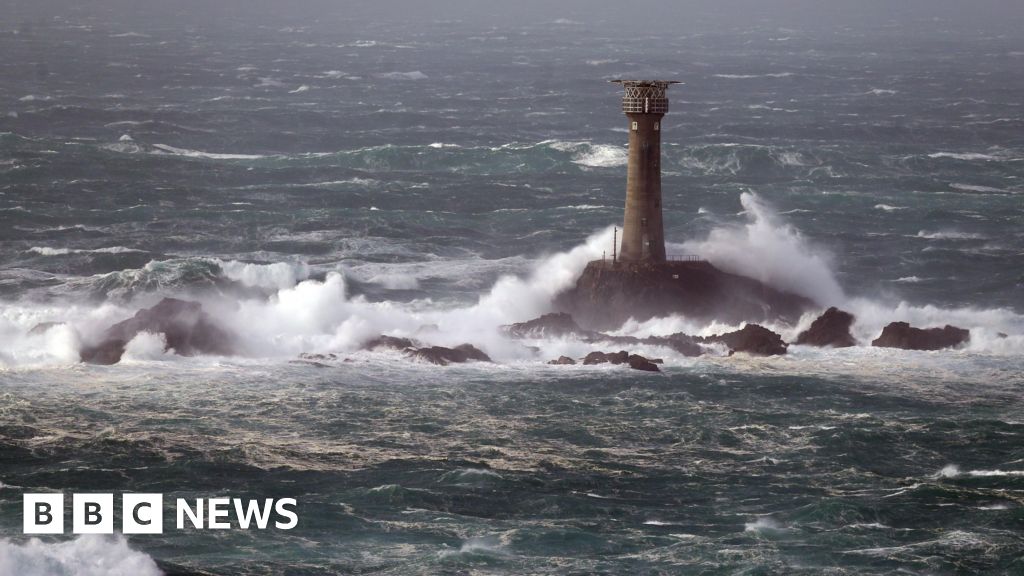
(312, 363)
(440, 355)
(563, 361)
(634, 361)
(752, 339)
(554, 325)
(637, 362)
(903, 335)
(188, 330)
(606, 295)
(830, 329)
(393, 342)
(317, 357)
(444, 356)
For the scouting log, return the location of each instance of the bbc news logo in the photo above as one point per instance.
(144, 513)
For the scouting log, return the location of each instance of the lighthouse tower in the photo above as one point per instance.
(645, 103)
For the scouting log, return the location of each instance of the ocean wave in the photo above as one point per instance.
(48, 251)
(949, 235)
(284, 312)
(977, 188)
(84, 556)
(414, 75)
(165, 149)
(889, 208)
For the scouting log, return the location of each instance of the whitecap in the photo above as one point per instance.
(84, 556)
(165, 149)
(414, 75)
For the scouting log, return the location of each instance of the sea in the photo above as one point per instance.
(319, 174)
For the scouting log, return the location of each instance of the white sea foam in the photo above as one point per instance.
(146, 346)
(165, 149)
(300, 89)
(889, 208)
(592, 155)
(414, 75)
(976, 188)
(48, 251)
(966, 156)
(84, 556)
(277, 275)
(948, 235)
(763, 524)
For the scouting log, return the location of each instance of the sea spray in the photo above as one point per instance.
(770, 250)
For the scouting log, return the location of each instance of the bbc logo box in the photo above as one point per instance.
(93, 513)
(144, 513)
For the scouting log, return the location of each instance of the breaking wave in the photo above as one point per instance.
(280, 310)
(84, 556)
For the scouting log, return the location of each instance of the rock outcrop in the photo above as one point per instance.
(903, 335)
(634, 361)
(553, 325)
(637, 362)
(440, 355)
(606, 295)
(560, 325)
(188, 330)
(563, 361)
(832, 328)
(752, 339)
(444, 356)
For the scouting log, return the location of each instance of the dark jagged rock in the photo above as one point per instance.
(317, 357)
(553, 325)
(562, 361)
(473, 353)
(634, 361)
(830, 329)
(752, 339)
(188, 330)
(394, 342)
(444, 356)
(903, 335)
(637, 362)
(620, 357)
(440, 355)
(606, 295)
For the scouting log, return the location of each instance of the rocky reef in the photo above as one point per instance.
(607, 294)
(187, 329)
(439, 355)
(832, 328)
(903, 335)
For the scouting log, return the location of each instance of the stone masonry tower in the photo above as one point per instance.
(643, 238)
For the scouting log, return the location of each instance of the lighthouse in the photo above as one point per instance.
(640, 283)
(645, 103)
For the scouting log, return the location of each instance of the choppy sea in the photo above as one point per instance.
(316, 182)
